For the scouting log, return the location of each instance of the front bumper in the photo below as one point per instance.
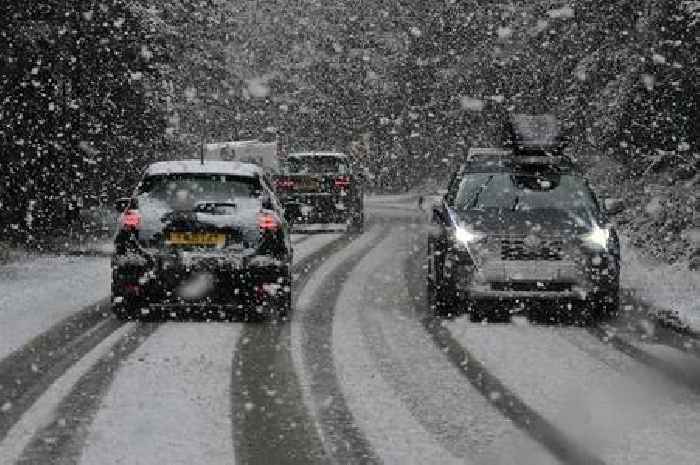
(541, 280)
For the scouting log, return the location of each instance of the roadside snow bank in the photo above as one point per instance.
(668, 288)
(38, 292)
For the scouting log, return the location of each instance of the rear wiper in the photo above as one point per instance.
(212, 207)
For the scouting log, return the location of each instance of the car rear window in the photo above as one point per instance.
(200, 186)
(316, 165)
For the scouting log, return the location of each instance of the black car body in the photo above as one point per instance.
(202, 235)
(522, 229)
(320, 190)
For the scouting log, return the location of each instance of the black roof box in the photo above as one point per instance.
(533, 134)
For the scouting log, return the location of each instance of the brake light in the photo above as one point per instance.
(268, 222)
(342, 181)
(284, 184)
(130, 220)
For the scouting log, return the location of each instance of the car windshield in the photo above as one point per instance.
(200, 187)
(524, 192)
(316, 165)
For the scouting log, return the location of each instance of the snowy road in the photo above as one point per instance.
(362, 374)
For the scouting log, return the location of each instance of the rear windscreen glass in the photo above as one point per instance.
(200, 186)
(316, 165)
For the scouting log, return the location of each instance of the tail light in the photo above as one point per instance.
(130, 220)
(284, 184)
(342, 182)
(268, 222)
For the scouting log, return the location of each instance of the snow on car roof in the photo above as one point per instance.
(487, 152)
(318, 154)
(208, 167)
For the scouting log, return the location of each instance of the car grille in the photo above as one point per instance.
(530, 286)
(514, 248)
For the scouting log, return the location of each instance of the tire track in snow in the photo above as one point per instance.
(299, 238)
(427, 412)
(26, 373)
(41, 412)
(643, 321)
(169, 402)
(500, 396)
(682, 375)
(67, 444)
(270, 424)
(62, 440)
(342, 440)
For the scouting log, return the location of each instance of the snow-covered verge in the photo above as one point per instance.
(11, 255)
(37, 292)
(672, 291)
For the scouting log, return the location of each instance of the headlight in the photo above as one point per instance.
(598, 238)
(466, 236)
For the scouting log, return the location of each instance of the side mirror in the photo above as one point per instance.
(614, 206)
(122, 204)
(267, 203)
(436, 217)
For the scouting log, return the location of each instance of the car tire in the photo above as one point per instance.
(477, 311)
(358, 224)
(285, 306)
(278, 307)
(606, 305)
(127, 309)
(441, 293)
(441, 300)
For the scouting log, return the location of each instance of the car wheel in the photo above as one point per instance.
(126, 309)
(285, 306)
(358, 224)
(606, 305)
(443, 300)
(478, 311)
(275, 307)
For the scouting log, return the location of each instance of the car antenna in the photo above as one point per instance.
(204, 139)
(201, 151)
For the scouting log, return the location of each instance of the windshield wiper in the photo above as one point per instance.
(212, 207)
(515, 203)
(475, 200)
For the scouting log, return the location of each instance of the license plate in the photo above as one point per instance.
(196, 239)
(306, 210)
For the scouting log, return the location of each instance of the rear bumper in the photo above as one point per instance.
(321, 208)
(319, 227)
(486, 292)
(163, 282)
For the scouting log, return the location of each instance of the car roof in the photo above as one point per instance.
(235, 168)
(318, 154)
(487, 153)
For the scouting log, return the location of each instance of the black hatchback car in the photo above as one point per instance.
(522, 229)
(201, 236)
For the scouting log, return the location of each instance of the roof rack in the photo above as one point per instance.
(483, 153)
(540, 162)
(540, 159)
